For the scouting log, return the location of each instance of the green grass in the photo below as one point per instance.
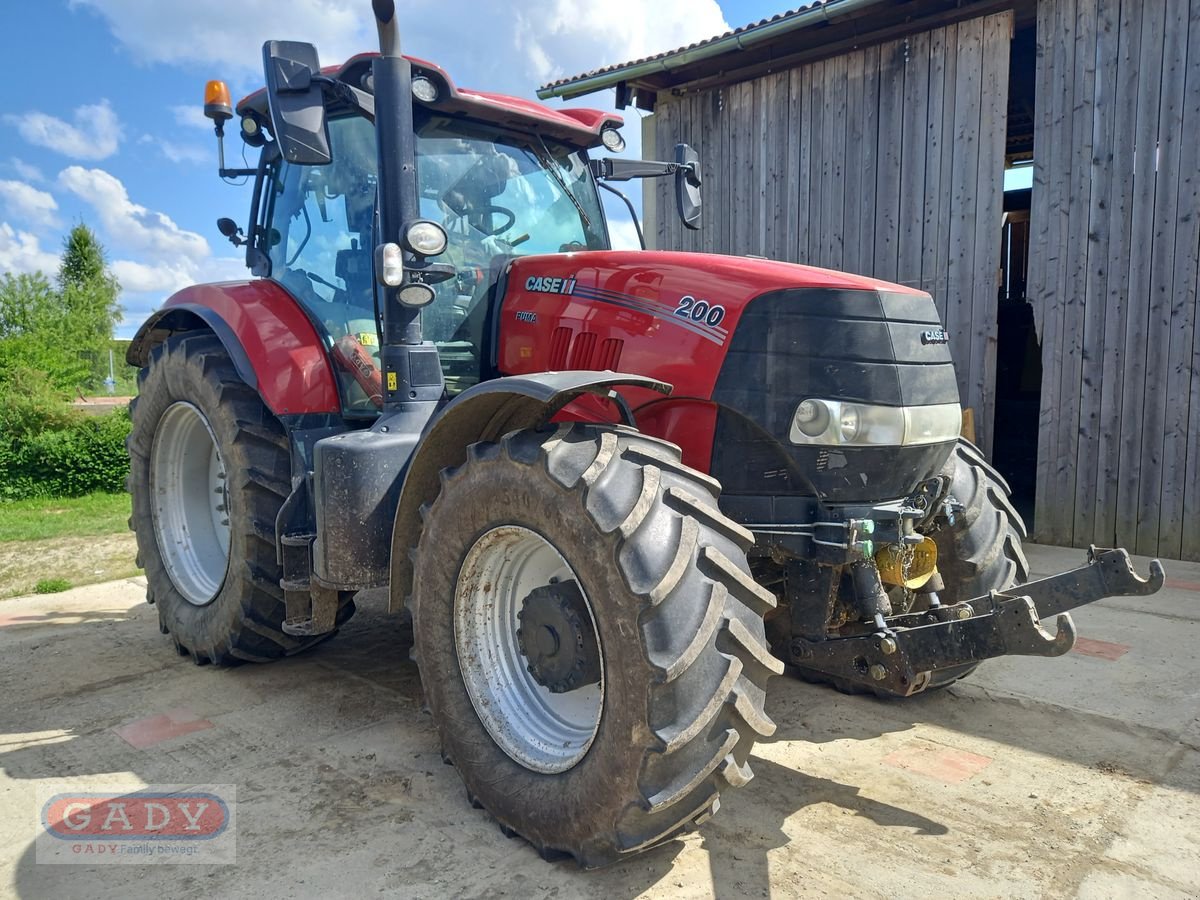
(52, 586)
(34, 520)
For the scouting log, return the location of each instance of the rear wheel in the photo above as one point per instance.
(209, 470)
(590, 640)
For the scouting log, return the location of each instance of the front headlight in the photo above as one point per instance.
(841, 423)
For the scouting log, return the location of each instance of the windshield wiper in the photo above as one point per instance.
(547, 162)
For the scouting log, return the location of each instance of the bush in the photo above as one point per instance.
(52, 586)
(57, 452)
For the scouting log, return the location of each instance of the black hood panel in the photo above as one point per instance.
(874, 347)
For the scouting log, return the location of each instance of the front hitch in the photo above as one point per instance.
(901, 657)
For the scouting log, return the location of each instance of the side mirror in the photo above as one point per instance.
(296, 102)
(687, 185)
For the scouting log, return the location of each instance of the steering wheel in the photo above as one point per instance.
(476, 217)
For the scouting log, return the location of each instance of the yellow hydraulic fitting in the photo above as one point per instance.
(907, 566)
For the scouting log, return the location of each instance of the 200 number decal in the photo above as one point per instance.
(710, 314)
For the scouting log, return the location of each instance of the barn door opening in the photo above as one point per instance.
(1018, 353)
(1018, 360)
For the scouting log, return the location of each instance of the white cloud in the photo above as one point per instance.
(177, 152)
(165, 278)
(131, 224)
(483, 45)
(229, 34)
(27, 171)
(161, 278)
(20, 251)
(186, 153)
(28, 204)
(95, 134)
(564, 38)
(191, 117)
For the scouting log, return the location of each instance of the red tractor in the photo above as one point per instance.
(617, 491)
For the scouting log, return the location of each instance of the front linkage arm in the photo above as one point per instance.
(900, 658)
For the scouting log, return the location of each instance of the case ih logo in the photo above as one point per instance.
(140, 817)
(935, 336)
(160, 824)
(545, 285)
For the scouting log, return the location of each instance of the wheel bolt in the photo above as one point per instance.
(887, 646)
(878, 672)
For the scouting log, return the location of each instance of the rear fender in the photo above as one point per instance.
(273, 344)
(486, 412)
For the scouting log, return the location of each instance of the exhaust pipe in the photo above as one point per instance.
(389, 30)
(412, 374)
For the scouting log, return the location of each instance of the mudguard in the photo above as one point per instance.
(273, 344)
(485, 412)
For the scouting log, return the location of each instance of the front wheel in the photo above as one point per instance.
(209, 469)
(980, 550)
(590, 639)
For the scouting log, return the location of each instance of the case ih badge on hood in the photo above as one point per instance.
(697, 316)
(617, 490)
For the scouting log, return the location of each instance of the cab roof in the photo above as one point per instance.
(578, 127)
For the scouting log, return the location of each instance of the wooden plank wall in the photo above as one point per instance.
(1113, 273)
(887, 161)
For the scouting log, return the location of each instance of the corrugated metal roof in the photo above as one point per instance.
(666, 54)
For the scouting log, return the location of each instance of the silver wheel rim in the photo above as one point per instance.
(543, 731)
(190, 503)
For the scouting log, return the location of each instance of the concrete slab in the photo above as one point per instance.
(1075, 777)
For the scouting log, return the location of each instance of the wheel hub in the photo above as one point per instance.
(189, 500)
(542, 730)
(557, 638)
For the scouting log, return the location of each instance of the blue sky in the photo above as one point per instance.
(101, 113)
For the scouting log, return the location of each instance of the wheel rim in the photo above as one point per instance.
(541, 730)
(190, 503)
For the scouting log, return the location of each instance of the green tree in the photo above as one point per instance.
(59, 334)
(35, 340)
(88, 293)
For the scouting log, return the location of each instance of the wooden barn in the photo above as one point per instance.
(1033, 164)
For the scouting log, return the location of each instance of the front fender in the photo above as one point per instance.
(485, 412)
(273, 344)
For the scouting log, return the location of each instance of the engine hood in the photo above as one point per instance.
(744, 340)
(671, 315)
(655, 274)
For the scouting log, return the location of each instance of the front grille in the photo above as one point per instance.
(864, 346)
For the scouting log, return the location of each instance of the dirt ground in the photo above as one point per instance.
(99, 558)
(1074, 777)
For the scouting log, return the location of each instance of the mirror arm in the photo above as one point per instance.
(348, 94)
(609, 169)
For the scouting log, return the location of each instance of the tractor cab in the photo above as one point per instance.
(497, 177)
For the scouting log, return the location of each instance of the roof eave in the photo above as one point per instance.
(740, 40)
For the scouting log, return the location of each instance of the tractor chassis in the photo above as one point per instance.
(899, 658)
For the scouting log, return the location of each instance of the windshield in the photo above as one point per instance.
(497, 194)
(510, 194)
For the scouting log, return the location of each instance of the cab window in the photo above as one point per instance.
(320, 222)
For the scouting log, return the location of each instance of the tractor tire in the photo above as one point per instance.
(209, 469)
(611, 524)
(981, 551)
